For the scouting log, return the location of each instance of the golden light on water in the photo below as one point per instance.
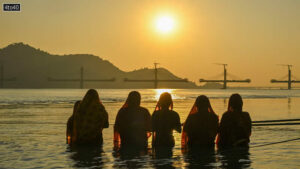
(158, 92)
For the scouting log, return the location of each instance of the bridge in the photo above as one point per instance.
(225, 80)
(81, 79)
(155, 80)
(289, 81)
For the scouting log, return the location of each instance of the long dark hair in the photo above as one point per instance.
(203, 104)
(76, 106)
(133, 99)
(235, 103)
(91, 97)
(164, 101)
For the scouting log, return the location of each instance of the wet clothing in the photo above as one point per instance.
(201, 129)
(69, 129)
(131, 126)
(235, 129)
(163, 124)
(88, 123)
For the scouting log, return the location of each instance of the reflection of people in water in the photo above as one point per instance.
(163, 157)
(130, 157)
(164, 121)
(201, 126)
(133, 124)
(70, 123)
(87, 156)
(89, 120)
(198, 157)
(235, 157)
(235, 126)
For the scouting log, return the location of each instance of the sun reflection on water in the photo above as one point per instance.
(158, 92)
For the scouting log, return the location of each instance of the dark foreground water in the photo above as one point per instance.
(33, 123)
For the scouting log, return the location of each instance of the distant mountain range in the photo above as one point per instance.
(27, 67)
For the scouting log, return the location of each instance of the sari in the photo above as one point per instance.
(70, 123)
(89, 120)
(164, 121)
(133, 124)
(201, 125)
(235, 125)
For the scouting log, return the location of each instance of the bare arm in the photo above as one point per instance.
(177, 123)
(106, 123)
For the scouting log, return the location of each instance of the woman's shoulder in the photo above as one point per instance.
(246, 114)
(144, 109)
(174, 113)
(155, 113)
(214, 116)
(226, 115)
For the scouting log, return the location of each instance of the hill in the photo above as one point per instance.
(28, 67)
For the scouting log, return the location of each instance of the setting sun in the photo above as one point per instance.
(165, 24)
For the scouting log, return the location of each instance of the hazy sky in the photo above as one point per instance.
(251, 36)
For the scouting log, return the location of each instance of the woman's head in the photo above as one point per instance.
(76, 106)
(165, 101)
(203, 103)
(235, 103)
(91, 98)
(133, 99)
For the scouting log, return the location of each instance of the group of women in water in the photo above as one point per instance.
(134, 124)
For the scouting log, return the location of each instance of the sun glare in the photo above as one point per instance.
(158, 92)
(165, 24)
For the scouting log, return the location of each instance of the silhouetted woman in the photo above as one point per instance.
(70, 123)
(164, 121)
(235, 126)
(133, 124)
(89, 120)
(201, 126)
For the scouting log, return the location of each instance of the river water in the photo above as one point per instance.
(33, 126)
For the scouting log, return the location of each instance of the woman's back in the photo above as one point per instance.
(133, 125)
(89, 120)
(201, 129)
(163, 124)
(235, 126)
(201, 125)
(235, 129)
(89, 124)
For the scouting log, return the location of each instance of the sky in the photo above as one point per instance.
(252, 37)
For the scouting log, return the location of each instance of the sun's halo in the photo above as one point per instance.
(165, 24)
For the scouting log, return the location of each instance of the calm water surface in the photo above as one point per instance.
(33, 124)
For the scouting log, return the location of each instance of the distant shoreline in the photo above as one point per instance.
(230, 88)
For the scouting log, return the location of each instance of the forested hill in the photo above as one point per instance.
(27, 67)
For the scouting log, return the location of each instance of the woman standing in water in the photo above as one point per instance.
(70, 123)
(201, 126)
(89, 120)
(133, 124)
(164, 121)
(235, 126)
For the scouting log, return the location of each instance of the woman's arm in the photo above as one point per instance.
(177, 123)
(106, 123)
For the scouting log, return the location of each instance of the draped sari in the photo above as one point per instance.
(89, 120)
(164, 121)
(131, 124)
(200, 127)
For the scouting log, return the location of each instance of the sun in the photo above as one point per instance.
(165, 24)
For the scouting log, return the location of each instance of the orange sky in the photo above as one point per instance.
(251, 36)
